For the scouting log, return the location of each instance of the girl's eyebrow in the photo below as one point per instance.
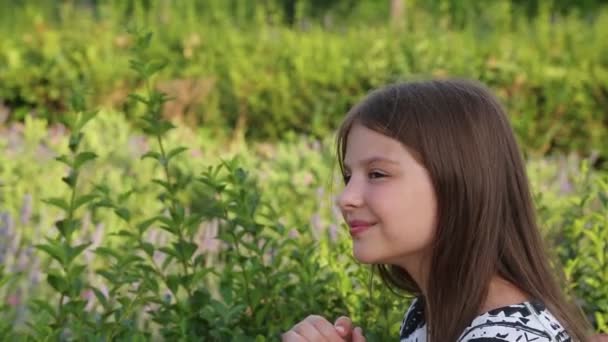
(373, 159)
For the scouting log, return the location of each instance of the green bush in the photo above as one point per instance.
(262, 80)
(142, 239)
(307, 260)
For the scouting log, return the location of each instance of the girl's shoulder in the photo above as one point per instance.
(527, 321)
(413, 326)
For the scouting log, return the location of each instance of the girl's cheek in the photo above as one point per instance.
(381, 199)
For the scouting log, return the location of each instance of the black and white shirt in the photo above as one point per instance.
(524, 322)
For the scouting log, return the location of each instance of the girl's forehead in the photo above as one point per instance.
(362, 140)
(365, 146)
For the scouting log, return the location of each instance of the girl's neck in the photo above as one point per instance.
(502, 293)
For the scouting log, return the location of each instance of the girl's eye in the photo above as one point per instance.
(371, 175)
(375, 174)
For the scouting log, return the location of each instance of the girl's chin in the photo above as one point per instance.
(365, 256)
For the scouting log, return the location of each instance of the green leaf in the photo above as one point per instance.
(125, 195)
(82, 158)
(185, 248)
(603, 198)
(107, 252)
(71, 178)
(75, 306)
(75, 141)
(169, 251)
(142, 41)
(155, 66)
(75, 251)
(123, 213)
(138, 98)
(103, 188)
(240, 174)
(123, 232)
(173, 282)
(66, 227)
(64, 159)
(144, 225)
(58, 283)
(81, 200)
(164, 219)
(152, 154)
(163, 127)
(169, 228)
(178, 214)
(250, 246)
(57, 202)
(176, 151)
(76, 271)
(226, 292)
(138, 66)
(40, 305)
(85, 117)
(163, 183)
(3, 279)
(148, 248)
(54, 250)
(104, 203)
(77, 102)
(110, 276)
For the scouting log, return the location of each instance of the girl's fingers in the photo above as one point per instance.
(358, 335)
(325, 328)
(344, 326)
(292, 336)
(308, 331)
(313, 329)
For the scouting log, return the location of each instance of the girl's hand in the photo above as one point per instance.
(345, 328)
(317, 329)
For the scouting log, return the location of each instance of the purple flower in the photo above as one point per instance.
(26, 209)
(336, 210)
(315, 222)
(293, 233)
(320, 192)
(209, 240)
(35, 273)
(333, 232)
(4, 234)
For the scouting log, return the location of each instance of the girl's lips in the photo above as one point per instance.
(359, 223)
(359, 227)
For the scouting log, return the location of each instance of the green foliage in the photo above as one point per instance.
(278, 254)
(263, 80)
(151, 230)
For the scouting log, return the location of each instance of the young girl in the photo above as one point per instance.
(437, 199)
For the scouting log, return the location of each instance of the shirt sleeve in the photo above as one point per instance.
(504, 332)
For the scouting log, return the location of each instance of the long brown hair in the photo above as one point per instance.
(486, 223)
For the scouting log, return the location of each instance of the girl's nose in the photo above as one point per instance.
(350, 197)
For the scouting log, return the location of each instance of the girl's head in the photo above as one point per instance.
(435, 167)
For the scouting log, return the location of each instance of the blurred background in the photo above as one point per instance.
(269, 81)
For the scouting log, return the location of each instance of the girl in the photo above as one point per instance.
(437, 199)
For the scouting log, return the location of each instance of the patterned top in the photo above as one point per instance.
(527, 321)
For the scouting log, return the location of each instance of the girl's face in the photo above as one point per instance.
(387, 188)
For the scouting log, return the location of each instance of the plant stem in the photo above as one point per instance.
(238, 252)
(173, 205)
